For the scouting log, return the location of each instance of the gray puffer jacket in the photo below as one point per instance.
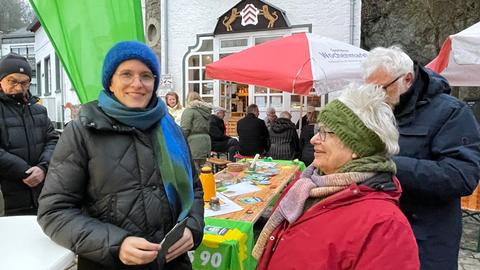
(104, 185)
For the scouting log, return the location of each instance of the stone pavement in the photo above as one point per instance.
(469, 259)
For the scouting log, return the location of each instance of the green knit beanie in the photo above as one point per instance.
(350, 129)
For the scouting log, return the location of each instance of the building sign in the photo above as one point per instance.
(251, 15)
(165, 81)
(165, 84)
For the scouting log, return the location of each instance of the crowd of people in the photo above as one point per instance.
(387, 163)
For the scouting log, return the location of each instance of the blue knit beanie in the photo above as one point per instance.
(126, 50)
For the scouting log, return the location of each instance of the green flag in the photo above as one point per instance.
(82, 31)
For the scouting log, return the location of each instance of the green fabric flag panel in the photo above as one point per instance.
(82, 31)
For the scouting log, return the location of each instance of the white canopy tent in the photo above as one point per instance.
(459, 58)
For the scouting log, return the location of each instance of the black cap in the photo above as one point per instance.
(14, 63)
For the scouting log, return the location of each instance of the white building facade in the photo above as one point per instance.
(53, 85)
(196, 33)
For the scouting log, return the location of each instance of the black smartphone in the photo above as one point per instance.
(172, 237)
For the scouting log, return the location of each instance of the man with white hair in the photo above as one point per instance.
(271, 117)
(220, 141)
(439, 159)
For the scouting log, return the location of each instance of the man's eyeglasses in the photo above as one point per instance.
(127, 77)
(322, 132)
(14, 83)
(385, 87)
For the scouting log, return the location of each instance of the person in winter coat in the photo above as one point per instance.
(439, 152)
(343, 212)
(284, 138)
(253, 133)
(174, 106)
(271, 117)
(195, 127)
(220, 141)
(306, 148)
(121, 175)
(27, 138)
(310, 111)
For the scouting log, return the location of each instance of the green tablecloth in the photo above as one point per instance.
(227, 244)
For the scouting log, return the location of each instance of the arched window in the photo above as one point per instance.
(196, 62)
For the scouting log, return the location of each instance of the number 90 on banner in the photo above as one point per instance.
(207, 258)
(215, 259)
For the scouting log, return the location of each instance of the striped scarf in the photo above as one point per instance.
(171, 150)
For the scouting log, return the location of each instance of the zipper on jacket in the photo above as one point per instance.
(3, 129)
(32, 196)
(26, 133)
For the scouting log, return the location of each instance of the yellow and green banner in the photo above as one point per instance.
(227, 244)
(82, 31)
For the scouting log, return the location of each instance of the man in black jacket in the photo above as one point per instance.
(220, 141)
(27, 138)
(439, 159)
(253, 133)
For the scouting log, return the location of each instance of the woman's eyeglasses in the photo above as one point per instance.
(321, 131)
(127, 77)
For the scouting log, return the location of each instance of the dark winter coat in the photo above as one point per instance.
(217, 133)
(284, 140)
(27, 139)
(253, 135)
(304, 122)
(195, 128)
(438, 163)
(306, 148)
(103, 185)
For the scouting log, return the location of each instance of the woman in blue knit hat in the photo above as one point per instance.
(343, 212)
(122, 176)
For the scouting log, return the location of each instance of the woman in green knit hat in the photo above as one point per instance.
(343, 212)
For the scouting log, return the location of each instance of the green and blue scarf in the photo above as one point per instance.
(170, 147)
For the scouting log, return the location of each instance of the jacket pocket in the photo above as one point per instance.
(414, 141)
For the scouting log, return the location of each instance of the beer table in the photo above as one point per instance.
(228, 239)
(23, 245)
(252, 212)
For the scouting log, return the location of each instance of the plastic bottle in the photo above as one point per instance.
(208, 183)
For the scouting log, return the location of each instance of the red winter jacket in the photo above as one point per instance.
(357, 228)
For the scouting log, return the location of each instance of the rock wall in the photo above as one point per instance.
(419, 26)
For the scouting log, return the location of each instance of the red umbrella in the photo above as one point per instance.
(296, 64)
